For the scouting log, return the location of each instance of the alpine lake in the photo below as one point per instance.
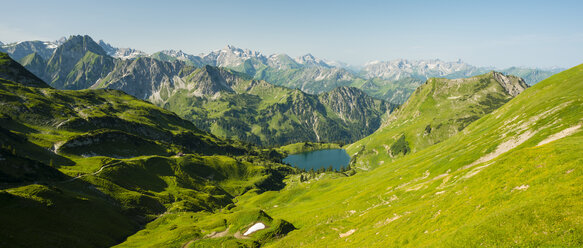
(319, 159)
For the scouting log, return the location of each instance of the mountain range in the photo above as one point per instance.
(392, 81)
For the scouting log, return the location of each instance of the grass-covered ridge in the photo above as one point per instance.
(437, 110)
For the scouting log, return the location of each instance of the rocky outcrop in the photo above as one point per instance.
(142, 77)
(512, 84)
(111, 143)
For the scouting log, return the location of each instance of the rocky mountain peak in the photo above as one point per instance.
(310, 60)
(240, 52)
(210, 80)
(109, 49)
(174, 53)
(81, 44)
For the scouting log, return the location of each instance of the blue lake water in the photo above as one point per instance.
(319, 159)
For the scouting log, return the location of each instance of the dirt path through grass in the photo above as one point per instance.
(91, 174)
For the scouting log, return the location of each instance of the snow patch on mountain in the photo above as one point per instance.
(121, 53)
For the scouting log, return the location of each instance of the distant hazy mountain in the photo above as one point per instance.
(19, 50)
(531, 75)
(173, 55)
(122, 53)
(424, 69)
(391, 80)
(421, 69)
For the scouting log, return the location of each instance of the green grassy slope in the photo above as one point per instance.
(436, 111)
(510, 179)
(88, 168)
(35, 64)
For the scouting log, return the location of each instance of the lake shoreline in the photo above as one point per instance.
(297, 148)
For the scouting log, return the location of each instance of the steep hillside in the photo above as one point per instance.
(510, 179)
(436, 111)
(11, 70)
(35, 64)
(88, 168)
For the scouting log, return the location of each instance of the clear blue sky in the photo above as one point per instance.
(483, 33)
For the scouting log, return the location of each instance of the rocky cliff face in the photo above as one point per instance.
(142, 77)
(231, 56)
(352, 104)
(309, 60)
